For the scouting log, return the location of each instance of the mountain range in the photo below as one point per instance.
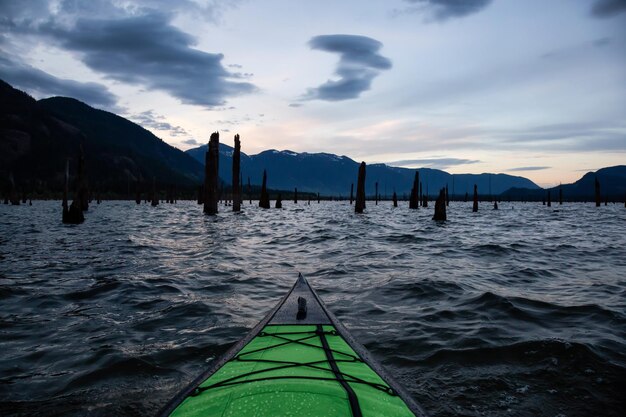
(37, 137)
(333, 175)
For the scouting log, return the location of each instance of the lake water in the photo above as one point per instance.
(516, 312)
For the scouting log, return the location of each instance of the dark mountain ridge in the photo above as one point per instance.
(612, 187)
(332, 175)
(36, 138)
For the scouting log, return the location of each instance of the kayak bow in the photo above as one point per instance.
(298, 361)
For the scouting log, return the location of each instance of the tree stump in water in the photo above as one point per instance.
(376, 196)
(72, 214)
(475, 206)
(351, 193)
(440, 206)
(279, 202)
(359, 205)
(394, 198)
(211, 176)
(236, 170)
(414, 199)
(264, 200)
(597, 189)
(421, 196)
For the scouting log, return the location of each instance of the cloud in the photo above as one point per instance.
(149, 119)
(600, 42)
(359, 64)
(608, 8)
(147, 50)
(441, 10)
(528, 169)
(191, 141)
(43, 84)
(439, 163)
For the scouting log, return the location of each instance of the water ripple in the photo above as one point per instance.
(518, 312)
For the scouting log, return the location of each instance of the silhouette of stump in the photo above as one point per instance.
(414, 199)
(74, 213)
(376, 193)
(394, 198)
(236, 171)
(351, 193)
(359, 205)
(279, 202)
(597, 190)
(440, 206)
(475, 206)
(264, 200)
(211, 176)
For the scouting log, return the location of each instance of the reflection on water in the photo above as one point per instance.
(519, 311)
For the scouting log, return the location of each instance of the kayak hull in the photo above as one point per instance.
(298, 361)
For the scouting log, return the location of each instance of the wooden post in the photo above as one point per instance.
(447, 197)
(236, 170)
(73, 215)
(414, 199)
(597, 188)
(318, 198)
(549, 199)
(440, 206)
(279, 202)
(395, 199)
(376, 195)
(351, 193)
(495, 205)
(560, 194)
(466, 197)
(264, 200)
(475, 206)
(295, 196)
(421, 196)
(359, 205)
(211, 176)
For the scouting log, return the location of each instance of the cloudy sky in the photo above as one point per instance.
(534, 88)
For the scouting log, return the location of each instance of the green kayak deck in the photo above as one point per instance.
(298, 361)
